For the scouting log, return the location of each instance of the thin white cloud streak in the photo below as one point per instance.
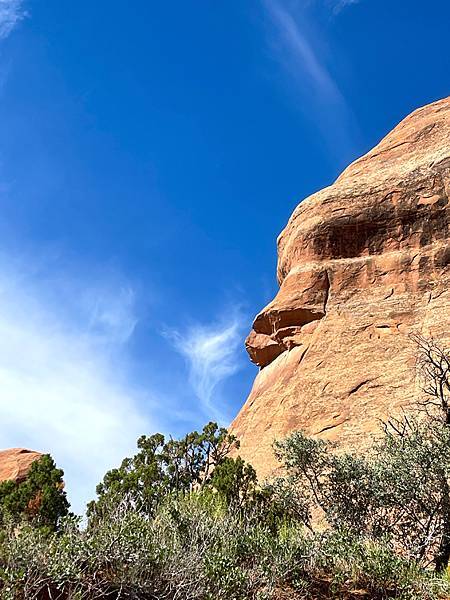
(315, 89)
(340, 5)
(62, 390)
(212, 356)
(11, 13)
(301, 50)
(111, 315)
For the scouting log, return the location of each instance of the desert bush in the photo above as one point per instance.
(183, 520)
(399, 490)
(195, 547)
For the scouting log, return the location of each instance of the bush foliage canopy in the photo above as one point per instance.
(187, 519)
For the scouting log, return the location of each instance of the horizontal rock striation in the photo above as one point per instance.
(361, 265)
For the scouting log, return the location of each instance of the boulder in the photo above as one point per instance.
(16, 462)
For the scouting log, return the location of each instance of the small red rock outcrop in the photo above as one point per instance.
(16, 462)
(361, 265)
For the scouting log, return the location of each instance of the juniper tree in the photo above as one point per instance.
(40, 499)
(162, 467)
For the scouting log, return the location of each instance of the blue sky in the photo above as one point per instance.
(150, 153)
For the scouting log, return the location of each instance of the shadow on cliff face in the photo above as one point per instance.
(303, 295)
(411, 218)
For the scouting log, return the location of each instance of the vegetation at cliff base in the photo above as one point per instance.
(187, 519)
(40, 499)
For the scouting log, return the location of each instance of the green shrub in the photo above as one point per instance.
(39, 499)
(162, 467)
(197, 548)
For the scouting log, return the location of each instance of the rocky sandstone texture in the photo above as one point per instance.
(361, 265)
(15, 463)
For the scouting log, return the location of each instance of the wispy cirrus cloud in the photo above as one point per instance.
(212, 355)
(301, 55)
(338, 5)
(299, 46)
(64, 388)
(11, 13)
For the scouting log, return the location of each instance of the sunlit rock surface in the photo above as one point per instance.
(15, 463)
(361, 265)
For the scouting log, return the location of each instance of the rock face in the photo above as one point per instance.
(15, 463)
(361, 264)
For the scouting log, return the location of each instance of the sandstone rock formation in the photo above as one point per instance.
(15, 463)
(361, 264)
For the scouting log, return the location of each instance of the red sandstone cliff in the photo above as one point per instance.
(361, 264)
(15, 463)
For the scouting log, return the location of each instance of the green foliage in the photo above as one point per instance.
(235, 480)
(197, 548)
(183, 519)
(164, 467)
(40, 499)
(345, 487)
(400, 489)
